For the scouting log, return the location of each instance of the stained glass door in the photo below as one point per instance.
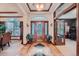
(39, 29)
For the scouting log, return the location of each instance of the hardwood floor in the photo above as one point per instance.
(17, 49)
(48, 50)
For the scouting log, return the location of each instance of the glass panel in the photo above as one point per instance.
(33, 28)
(45, 28)
(60, 28)
(39, 28)
(39, 17)
(13, 25)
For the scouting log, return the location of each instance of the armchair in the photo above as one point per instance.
(5, 39)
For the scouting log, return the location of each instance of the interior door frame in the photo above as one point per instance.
(69, 8)
(57, 40)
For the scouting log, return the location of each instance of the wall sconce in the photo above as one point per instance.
(27, 25)
(51, 24)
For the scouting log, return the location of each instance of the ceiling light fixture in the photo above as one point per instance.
(39, 7)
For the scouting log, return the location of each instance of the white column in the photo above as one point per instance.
(25, 29)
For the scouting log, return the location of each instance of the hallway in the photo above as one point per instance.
(39, 29)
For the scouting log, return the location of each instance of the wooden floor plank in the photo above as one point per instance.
(26, 49)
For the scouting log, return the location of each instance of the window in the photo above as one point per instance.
(13, 25)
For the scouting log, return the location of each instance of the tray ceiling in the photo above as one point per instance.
(32, 7)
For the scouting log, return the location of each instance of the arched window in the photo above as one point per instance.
(39, 18)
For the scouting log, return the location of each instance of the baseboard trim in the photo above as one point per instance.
(24, 44)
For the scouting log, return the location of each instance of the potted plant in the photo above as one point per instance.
(29, 38)
(49, 37)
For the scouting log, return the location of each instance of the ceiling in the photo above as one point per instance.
(70, 15)
(33, 8)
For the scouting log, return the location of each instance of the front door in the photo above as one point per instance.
(39, 29)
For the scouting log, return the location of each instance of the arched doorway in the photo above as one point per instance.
(39, 30)
(39, 27)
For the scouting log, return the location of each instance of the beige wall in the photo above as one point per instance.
(26, 17)
(5, 7)
(26, 20)
(49, 18)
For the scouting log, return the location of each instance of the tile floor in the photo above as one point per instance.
(69, 49)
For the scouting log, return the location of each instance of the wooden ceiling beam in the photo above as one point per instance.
(8, 12)
(11, 16)
(66, 10)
